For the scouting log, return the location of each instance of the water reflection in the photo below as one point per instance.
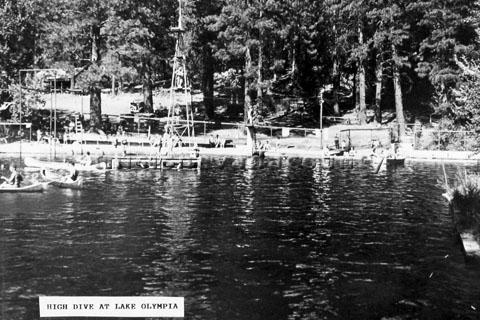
(284, 238)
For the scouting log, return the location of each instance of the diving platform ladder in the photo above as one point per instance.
(78, 125)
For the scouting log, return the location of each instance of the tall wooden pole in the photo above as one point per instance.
(321, 119)
(55, 98)
(20, 107)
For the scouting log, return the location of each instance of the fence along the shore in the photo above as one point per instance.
(239, 126)
(414, 131)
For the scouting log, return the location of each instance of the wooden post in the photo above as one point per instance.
(321, 119)
(251, 138)
(55, 95)
(414, 136)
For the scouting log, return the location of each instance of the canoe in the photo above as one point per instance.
(31, 162)
(67, 185)
(38, 187)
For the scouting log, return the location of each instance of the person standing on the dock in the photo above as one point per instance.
(39, 135)
(336, 141)
(165, 141)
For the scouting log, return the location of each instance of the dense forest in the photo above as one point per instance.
(414, 57)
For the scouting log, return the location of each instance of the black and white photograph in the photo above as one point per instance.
(239, 159)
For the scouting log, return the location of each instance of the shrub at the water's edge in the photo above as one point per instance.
(466, 200)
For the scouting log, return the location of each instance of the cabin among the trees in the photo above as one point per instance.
(59, 79)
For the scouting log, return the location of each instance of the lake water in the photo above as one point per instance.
(244, 239)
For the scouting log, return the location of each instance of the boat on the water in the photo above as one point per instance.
(31, 162)
(37, 187)
(77, 184)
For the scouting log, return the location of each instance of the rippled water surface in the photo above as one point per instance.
(244, 239)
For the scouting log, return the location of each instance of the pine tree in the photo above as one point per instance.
(390, 41)
(17, 36)
(450, 27)
(139, 36)
(200, 15)
(349, 40)
(76, 36)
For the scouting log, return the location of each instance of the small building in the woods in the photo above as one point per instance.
(65, 80)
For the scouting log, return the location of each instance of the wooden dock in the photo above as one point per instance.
(167, 162)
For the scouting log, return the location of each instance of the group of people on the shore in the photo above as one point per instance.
(344, 148)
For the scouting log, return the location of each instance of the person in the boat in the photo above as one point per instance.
(15, 178)
(86, 160)
(72, 173)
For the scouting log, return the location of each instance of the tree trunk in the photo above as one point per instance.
(293, 61)
(95, 91)
(378, 90)
(259, 77)
(362, 115)
(113, 85)
(398, 96)
(147, 89)
(247, 105)
(336, 87)
(95, 108)
(95, 37)
(208, 82)
(356, 93)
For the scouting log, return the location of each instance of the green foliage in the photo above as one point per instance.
(25, 98)
(17, 39)
(448, 27)
(289, 47)
(229, 79)
(466, 199)
(139, 36)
